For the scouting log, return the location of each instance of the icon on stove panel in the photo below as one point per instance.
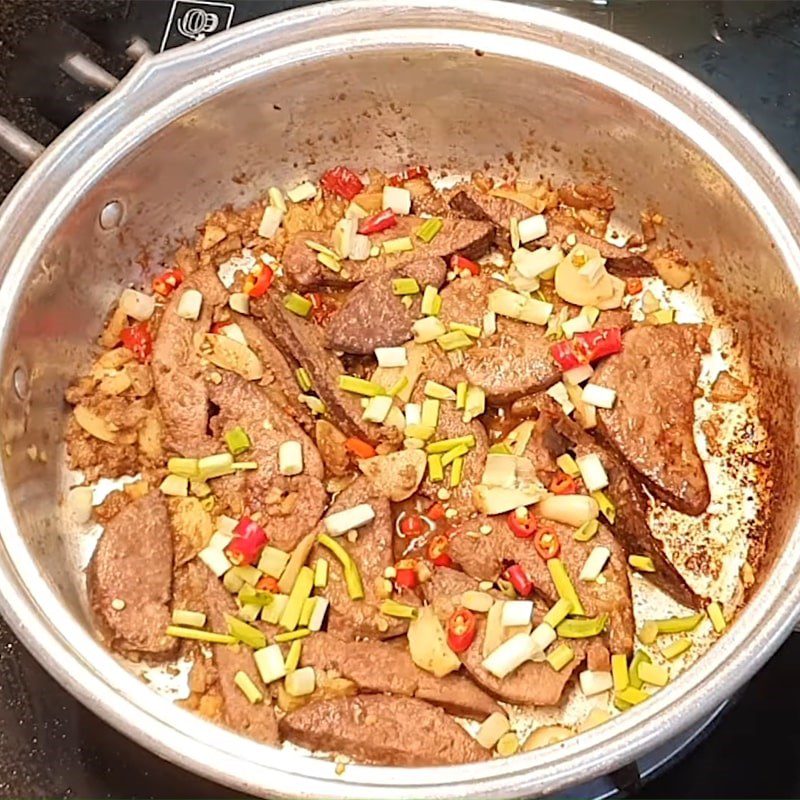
(193, 20)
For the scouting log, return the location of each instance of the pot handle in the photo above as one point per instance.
(18, 144)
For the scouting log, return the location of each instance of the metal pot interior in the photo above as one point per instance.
(534, 94)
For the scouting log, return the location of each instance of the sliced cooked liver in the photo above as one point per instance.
(178, 369)
(251, 719)
(466, 237)
(372, 551)
(374, 316)
(305, 341)
(651, 423)
(474, 204)
(377, 729)
(484, 557)
(290, 505)
(388, 668)
(531, 684)
(133, 563)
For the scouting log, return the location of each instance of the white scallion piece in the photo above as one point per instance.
(215, 560)
(558, 391)
(578, 324)
(578, 375)
(569, 509)
(593, 270)
(270, 222)
(532, 228)
(303, 191)
(595, 564)
(592, 471)
(220, 539)
(190, 619)
(397, 199)
(318, 614)
(190, 304)
(355, 211)
(543, 636)
(137, 305)
(594, 682)
(517, 612)
(377, 408)
(510, 655)
(489, 323)
(290, 458)
(276, 198)
(391, 356)
(413, 414)
(300, 682)
(240, 302)
(270, 663)
(427, 329)
(492, 729)
(599, 396)
(360, 248)
(340, 522)
(533, 263)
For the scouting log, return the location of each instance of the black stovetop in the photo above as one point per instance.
(51, 746)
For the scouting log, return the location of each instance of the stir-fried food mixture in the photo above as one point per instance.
(390, 453)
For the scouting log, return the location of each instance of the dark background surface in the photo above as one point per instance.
(50, 746)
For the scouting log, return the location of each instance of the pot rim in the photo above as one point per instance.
(159, 90)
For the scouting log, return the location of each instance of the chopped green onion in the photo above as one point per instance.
(632, 695)
(429, 229)
(560, 657)
(320, 248)
(431, 301)
(475, 404)
(474, 331)
(444, 445)
(430, 412)
(301, 590)
(639, 657)
(648, 632)
(587, 531)
(303, 379)
(653, 674)
(377, 409)
(619, 671)
(237, 440)
(456, 472)
(564, 586)
(455, 340)
(427, 329)
(716, 616)
(293, 657)
(191, 619)
(607, 508)
(271, 612)
(215, 466)
(400, 245)
(297, 304)
(201, 636)
(501, 449)
(678, 647)
(642, 563)
(300, 682)
(251, 596)
(403, 286)
(202, 490)
(185, 467)
(435, 468)
(175, 486)
(315, 405)
(273, 561)
(250, 575)
(245, 633)
(249, 689)
(290, 636)
(423, 432)
(398, 386)
(391, 608)
(305, 614)
(330, 262)
(269, 661)
(349, 383)
(321, 573)
(582, 628)
(452, 455)
(566, 463)
(461, 394)
(438, 391)
(249, 612)
(232, 582)
(558, 613)
(679, 624)
(355, 588)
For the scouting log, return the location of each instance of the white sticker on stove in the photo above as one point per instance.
(193, 20)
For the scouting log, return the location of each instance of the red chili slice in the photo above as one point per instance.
(436, 512)
(378, 222)
(437, 551)
(416, 172)
(584, 348)
(342, 181)
(412, 525)
(257, 285)
(520, 580)
(406, 578)
(461, 630)
(458, 264)
(547, 543)
(167, 282)
(249, 539)
(633, 285)
(563, 484)
(522, 527)
(138, 339)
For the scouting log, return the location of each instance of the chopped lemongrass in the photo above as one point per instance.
(587, 531)
(451, 455)
(391, 608)
(716, 616)
(582, 628)
(237, 440)
(648, 632)
(423, 432)
(444, 445)
(389, 357)
(272, 613)
(303, 379)
(560, 657)
(431, 302)
(273, 561)
(248, 688)
(566, 463)
(349, 383)
(397, 199)
(543, 636)
(190, 304)
(619, 671)
(435, 468)
(558, 613)
(429, 229)
(639, 658)
(290, 458)
(349, 519)
(455, 340)
(293, 656)
(642, 563)
(398, 387)
(400, 245)
(456, 472)
(564, 586)
(427, 329)
(201, 636)
(303, 191)
(594, 682)
(290, 636)
(250, 575)
(245, 633)
(430, 412)
(300, 682)
(403, 286)
(474, 331)
(276, 198)
(297, 304)
(475, 404)
(175, 486)
(215, 560)
(270, 663)
(516, 613)
(438, 391)
(344, 233)
(318, 613)
(595, 563)
(461, 394)
(678, 647)
(377, 409)
(510, 655)
(607, 508)
(592, 471)
(215, 466)
(653, 674)
(532, 228)
(321, 573)
(189, 619)
(355, 587)
(492, 729)
(599, 396)
(301, 590)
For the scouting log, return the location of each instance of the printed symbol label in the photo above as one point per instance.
(193, 20)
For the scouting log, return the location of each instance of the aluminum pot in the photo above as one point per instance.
(448, 82)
